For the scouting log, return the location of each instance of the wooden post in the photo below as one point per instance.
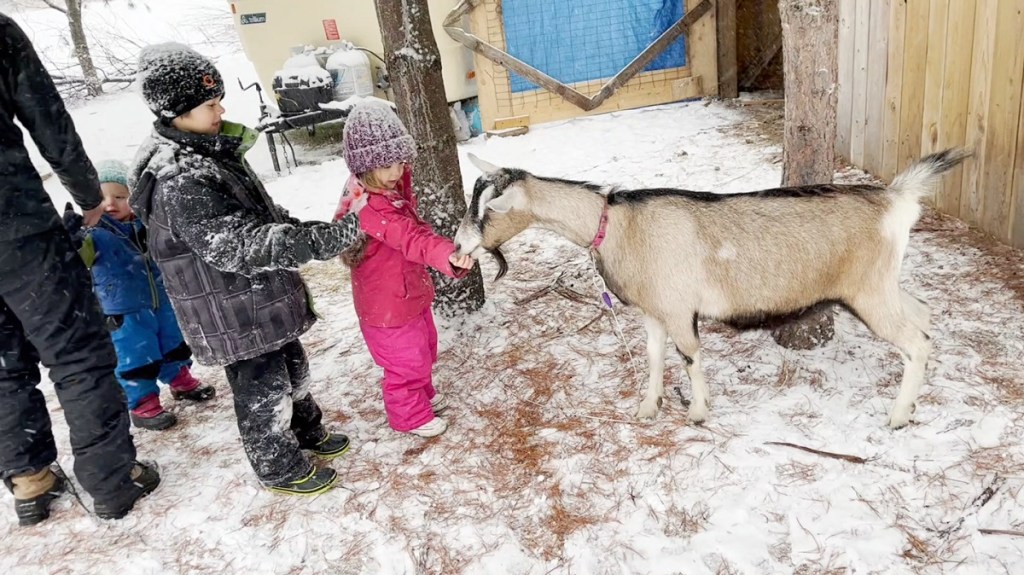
(414, 66)
(810, 39)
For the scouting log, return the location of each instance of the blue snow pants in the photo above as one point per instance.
(149, 348)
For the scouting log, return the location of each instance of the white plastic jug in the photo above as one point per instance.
(350, 70)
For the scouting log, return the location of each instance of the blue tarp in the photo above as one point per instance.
(580, 40)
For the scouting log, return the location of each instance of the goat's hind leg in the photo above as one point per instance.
(656, 338)
(902, 323)
(684, 335)
(917, 311)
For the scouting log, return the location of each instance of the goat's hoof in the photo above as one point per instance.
(647, 411)
(698, 412)
(899, 420)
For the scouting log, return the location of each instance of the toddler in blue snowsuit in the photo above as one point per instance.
(145, 332)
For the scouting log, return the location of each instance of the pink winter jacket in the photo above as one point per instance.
(391, 286)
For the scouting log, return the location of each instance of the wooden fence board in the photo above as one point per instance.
(877, 68)
(977, 114)
(955, 97)
(861, 30)
(935, 65)
(1017, 206)
(912, 105)
(893, 88)
(996, 178)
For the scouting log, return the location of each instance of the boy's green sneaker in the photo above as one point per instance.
(316, 482)
(332, 445)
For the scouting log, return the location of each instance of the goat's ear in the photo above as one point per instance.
(483, 166)
(505, 202)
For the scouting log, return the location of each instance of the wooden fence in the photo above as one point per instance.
(917, 76)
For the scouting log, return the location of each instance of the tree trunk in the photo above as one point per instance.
(93, 86)
(414, 67)
(810, 40)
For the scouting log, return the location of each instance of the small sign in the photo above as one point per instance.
(255, 18)
(331, 29)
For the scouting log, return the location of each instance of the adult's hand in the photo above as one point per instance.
(92, 217)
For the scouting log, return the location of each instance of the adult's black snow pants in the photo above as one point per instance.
(277, 416)
(48, 313)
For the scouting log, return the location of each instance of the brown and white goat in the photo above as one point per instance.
(680, 255)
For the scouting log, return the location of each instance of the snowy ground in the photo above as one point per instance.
(543, 470)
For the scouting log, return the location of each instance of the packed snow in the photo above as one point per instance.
(543, 470)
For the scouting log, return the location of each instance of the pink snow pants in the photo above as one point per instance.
(407, 353)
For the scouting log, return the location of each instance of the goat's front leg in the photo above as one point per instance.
(688, 343)
(656, 338)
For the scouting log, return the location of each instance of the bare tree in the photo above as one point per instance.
(810, 40)
(72, 9)
(414, 67)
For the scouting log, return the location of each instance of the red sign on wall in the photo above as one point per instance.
(331, 29)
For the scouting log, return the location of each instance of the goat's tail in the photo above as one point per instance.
(921, 178)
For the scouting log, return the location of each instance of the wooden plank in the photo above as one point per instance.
(1003, 110)
(702, 47)
(844, 106)
(935, 65)
(688, 88)
(862, 31)
(915, 53)
(511, 122)
(728, 66)
(977, 109)
(508, 132)
(1017, 206)
(955, 97)
(893, 88)
(877, 68)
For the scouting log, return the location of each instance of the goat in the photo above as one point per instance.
(681, 255)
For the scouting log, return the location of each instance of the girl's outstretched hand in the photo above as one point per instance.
(457, 261)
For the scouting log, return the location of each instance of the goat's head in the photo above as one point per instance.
(498, 210)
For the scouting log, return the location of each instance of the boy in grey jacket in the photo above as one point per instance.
(229, 259)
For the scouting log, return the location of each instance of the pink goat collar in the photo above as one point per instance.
(602, 228)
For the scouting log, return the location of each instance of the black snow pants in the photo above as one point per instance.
(48, 313)
(277, 416)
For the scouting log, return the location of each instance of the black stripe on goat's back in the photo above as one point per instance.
(812, 191)
(585, 185)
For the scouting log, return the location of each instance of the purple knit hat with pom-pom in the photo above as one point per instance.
(374, 138)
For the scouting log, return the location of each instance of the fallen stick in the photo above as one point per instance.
(975, 506)
(843, 456)
(1001, 532)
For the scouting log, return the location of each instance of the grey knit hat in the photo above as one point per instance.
(176, 78)
(374, 137)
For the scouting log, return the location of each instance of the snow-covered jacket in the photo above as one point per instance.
(228, 254)
(124, 278)
(390, 285)
(28, 94)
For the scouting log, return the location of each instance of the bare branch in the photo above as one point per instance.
(56, 6)
(843, 456)
(1001, 532)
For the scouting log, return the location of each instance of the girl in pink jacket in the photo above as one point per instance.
(391, 288)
